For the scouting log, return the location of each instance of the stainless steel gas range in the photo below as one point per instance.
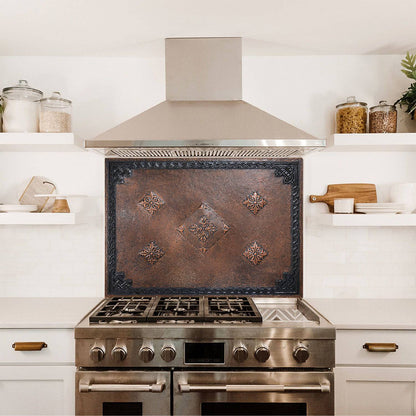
(188, 243)
(204, 355)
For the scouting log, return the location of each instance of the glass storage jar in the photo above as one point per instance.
(21, 108)
(351, 117)
(383, 118)
(55, 114)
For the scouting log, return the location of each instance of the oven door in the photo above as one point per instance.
(122, 393)
(253, 393)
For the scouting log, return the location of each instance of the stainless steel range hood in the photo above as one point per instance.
(204, 114)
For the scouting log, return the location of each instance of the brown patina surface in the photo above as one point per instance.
(203, 228)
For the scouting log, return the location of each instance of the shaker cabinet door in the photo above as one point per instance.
(37, 390)
(374, 391)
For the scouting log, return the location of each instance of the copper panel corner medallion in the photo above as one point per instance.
(195, 227)
(255, 253)
(151, 202)
(255, 202)
(151, 252)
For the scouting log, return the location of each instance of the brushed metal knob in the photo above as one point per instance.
(168, 353)
(146, 354)
(119, 353)
(240, 353)
(262, 354)
(97, 353)
(301, 353)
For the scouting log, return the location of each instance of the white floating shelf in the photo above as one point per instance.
(38, 142)
(35, 218)
(367, 220)
(399, 142)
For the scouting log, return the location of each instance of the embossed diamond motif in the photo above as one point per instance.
(203, 228)
(151, 202)
(152, 252)
(255, 202)
(255, 253)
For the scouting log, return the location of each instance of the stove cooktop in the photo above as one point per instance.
(166, 309)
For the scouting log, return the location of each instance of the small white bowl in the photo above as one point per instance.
(404, 193)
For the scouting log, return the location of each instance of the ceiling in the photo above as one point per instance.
(268, 27)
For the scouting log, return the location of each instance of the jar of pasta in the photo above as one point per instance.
(383, 118)
(351, 117)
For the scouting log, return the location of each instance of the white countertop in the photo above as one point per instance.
(44, 312)
(368, 313)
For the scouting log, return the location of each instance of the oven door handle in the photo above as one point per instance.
(234, 388)
(151, 388)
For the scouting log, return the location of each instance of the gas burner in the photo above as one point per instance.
(123, 310)
(176, 308)
(230, 309)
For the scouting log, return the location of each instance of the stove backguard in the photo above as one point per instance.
(204, 227)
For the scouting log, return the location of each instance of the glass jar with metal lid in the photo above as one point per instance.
(351, 117)
(383, 118)
(21, 108)
(55, 114)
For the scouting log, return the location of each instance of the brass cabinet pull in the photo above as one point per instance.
(380, 347)
(29, 346)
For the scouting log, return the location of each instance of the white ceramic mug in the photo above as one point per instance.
(404, 193)
(344, 205)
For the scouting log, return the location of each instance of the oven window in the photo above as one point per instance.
(231, 408)
(122, 409)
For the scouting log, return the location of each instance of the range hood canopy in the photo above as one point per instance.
(204, 114)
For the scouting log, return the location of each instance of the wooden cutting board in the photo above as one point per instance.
(38, 185)
(361, 192)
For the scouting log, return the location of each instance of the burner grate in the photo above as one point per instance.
(171, 309)
(124, 309)
(177, 308)
(231, 308)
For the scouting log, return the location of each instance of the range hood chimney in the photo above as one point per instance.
(204, 114)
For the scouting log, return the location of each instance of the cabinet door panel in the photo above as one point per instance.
(37, 390)
(375, 391)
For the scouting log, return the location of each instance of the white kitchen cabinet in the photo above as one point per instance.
(37, 390)
(37, 382)
(375, 383)
(375, 391)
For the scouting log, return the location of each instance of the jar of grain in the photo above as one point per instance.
(351, 117)
(21, 108)
(383, 118)
(55, 114)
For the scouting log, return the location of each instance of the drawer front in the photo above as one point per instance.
(349, 347)
(60, 347)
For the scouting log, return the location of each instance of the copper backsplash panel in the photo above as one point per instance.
(200, 227)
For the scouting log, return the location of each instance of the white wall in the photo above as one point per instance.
(69, 260)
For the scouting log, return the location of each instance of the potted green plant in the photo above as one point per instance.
(408, 99)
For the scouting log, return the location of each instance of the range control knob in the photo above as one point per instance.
(168, 353)
(240, 353)
(301, 353)
(262, 353)
(97, 353)
(146, 353)
(119, 353)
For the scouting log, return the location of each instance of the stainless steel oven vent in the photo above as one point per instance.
(204, 114)
(209, 153)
